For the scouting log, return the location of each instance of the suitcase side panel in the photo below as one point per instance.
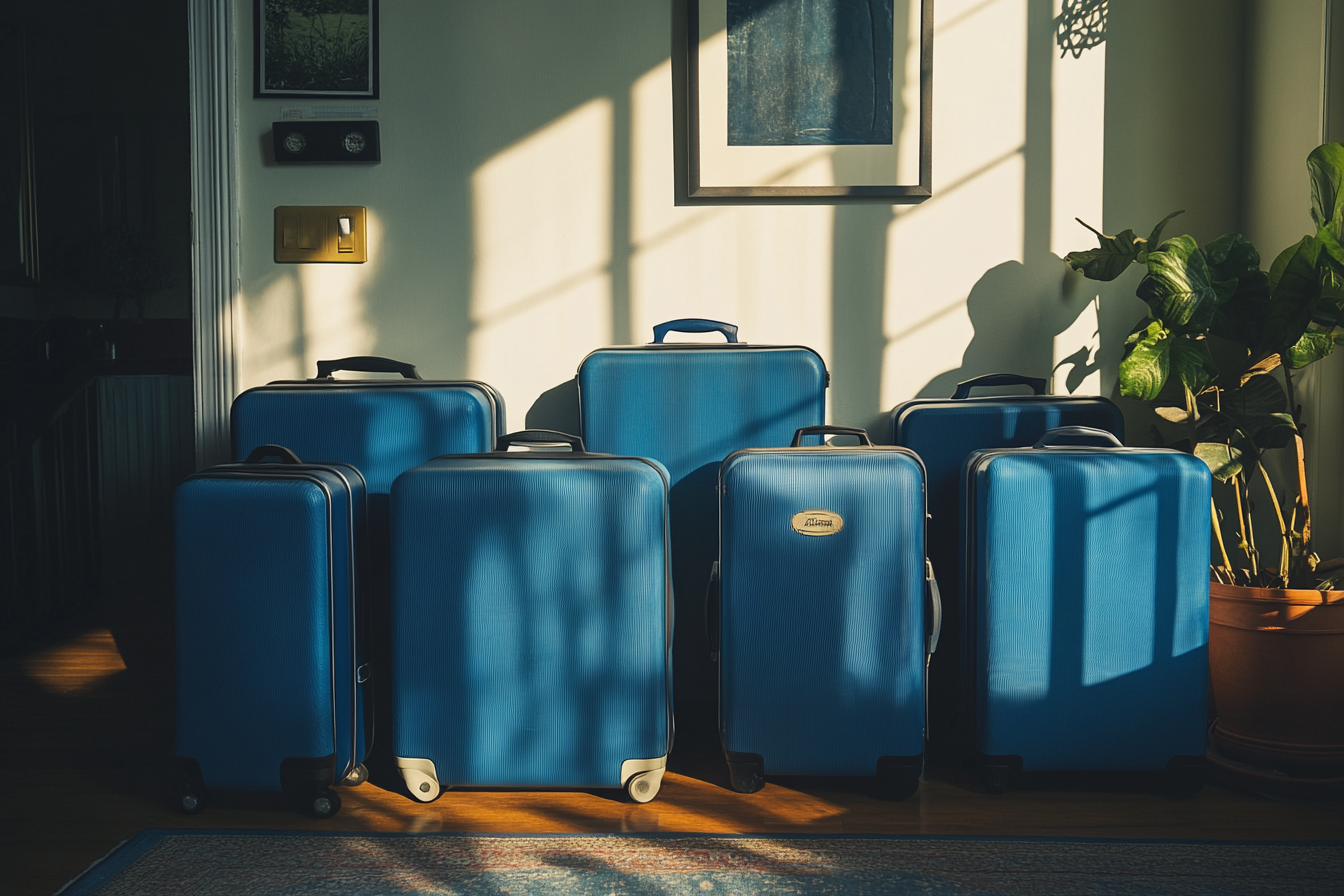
(530, 619)
(822, 659)
(942, 433)
(1092, 605)
(689, 409)
(381, 430)
(254, 640)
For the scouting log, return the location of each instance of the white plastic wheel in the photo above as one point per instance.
(643, 787)
(421, 786)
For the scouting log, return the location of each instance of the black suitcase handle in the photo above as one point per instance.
(935, 605)
(536, 436)
(366, 364)
(261, 452)
(695, 325)
(856, 432)
(1036, 383)
(1078, 435)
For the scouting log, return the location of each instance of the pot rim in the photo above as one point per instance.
(1296, 597)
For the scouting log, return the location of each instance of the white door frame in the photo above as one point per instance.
(214, 221)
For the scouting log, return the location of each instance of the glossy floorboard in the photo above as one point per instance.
(86, 741)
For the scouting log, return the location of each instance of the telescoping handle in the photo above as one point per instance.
(856, 432)
(712, 592)
(935, 606)
(538, 437)
(1078, 435)
(366, 364)
(1036, 383)
(695, 325)
(281, 454)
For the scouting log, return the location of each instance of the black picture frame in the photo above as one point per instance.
(693, 191)
(335, 84)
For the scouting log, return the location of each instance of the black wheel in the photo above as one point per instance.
(358, 775)
(746, 777)
(326, 804)
(191, 802)
(898, 784)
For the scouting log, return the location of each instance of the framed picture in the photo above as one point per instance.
(316, 48)
(808, 101)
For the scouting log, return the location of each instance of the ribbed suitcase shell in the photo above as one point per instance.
(531, 618)
(822, 656)
(269, 640)
(1087, 585)
(688, 406)
(382, 427)
(943, 431)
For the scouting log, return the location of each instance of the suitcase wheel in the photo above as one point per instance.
(358, 775)
(421, 785)
(746, 777)
(643, 787)
(325, 804)
(191, 802)
(191, 792)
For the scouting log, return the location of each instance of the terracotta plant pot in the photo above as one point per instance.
(1277, 665)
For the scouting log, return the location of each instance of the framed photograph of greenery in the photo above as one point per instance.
(807, 101)
(316, 48)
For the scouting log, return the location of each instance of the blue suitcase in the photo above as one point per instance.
(942, 432)
(532, 629)
(270, 630)
(828, 613)
(1086, 601)
(688, 406)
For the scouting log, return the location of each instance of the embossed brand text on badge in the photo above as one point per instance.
(817, 522)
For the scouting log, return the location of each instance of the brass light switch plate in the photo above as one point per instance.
(321, 233)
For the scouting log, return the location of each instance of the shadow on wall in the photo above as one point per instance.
(1018, 310)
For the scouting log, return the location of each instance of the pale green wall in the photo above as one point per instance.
(968, 283)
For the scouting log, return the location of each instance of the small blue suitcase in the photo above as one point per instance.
(688, 406)
(1086, 601)
(828, 613)
(270, 630)
(532, 630)
(942, 432)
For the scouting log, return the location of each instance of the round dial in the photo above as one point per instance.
(295, 142)
(354, 143)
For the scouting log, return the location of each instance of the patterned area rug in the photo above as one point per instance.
(241, 863)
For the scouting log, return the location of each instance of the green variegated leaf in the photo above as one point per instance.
(1144, 370)
(1275, 434)
(1179, 288)
(1295, 296)
(1231, 256)
(1110, 259)
(1312, 347)
(1262, 396)
(1224, 460)
(1326, 167)
(1155, 238)
(1172, 413)
(1192, 363)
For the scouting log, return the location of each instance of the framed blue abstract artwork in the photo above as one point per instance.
(798, 101)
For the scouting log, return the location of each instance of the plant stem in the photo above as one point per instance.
(1247, 526)
(1191, 417)
(1302, 495)
(1283, 527)
(1218, 533)
(1292, 395)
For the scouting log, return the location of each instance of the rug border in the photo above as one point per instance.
(115, 861)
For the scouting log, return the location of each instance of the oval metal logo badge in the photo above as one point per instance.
(817, 522)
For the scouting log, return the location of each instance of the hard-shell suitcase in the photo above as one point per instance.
(383, 427)
(270, 630)
(827, 613)
(688, 406)
(1086, 601)
(943, 432)
(532, 629)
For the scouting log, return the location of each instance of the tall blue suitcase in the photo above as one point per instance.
(828, 613)
(1086, 599)
(688, 406)
(943, 432)
(532, 628)
(270, 630)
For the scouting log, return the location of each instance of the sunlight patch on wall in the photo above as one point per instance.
(270, 323)
(768, 270)
(1078, 94)
(541, 282)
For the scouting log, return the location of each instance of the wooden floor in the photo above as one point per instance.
(86, 745)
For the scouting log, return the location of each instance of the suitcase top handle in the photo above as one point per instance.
(366, 364)
(695, 325)
(856, 432)
(1078, 435)
(1036, 383)
(539, 437)
(281, 454)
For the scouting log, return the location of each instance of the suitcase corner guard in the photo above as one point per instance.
(642, 778)
(421, 778)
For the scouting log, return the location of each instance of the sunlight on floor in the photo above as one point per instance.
(76, 665)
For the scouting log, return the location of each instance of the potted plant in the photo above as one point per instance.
(1216, 359)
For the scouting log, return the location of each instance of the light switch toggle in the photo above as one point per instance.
(345, 240)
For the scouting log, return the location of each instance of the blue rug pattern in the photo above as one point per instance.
(242, 863)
